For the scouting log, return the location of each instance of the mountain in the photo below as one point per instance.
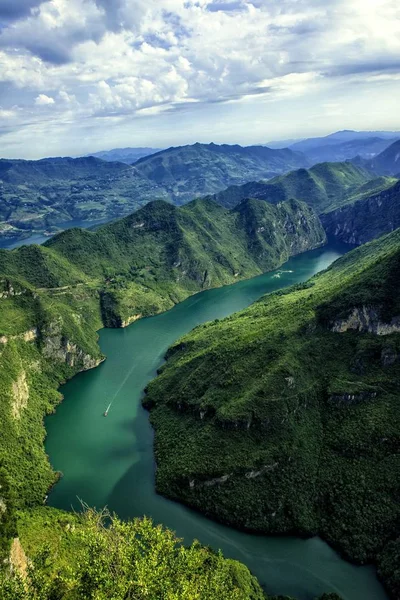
(324, 187)
(340, 137)
(344, 145)
(366, 148)
(191, 171)
(55, 297)
(125, 155)
(285, 416)
(388, 162)
(38, 195)
(365, 219)
(276, 144)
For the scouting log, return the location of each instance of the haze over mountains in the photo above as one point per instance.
(44, 195)
(125, 155)
(342, 145)
(38, 195)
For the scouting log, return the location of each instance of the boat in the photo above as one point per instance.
(105, 414)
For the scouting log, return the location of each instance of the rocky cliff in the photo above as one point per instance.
(366, 219)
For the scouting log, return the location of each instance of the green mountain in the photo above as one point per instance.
(53, 299)
(324, 187)
(284, 417)
(39, 195)
(365, 219)
(201, 169)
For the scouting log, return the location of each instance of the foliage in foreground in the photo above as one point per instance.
(98, 556)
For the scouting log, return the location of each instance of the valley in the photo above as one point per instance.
(242, 409)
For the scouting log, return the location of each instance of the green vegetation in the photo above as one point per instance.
(41, 195)
(284, 417)
(201, 169)
(53, 299)
(325, 187)
(97, 556)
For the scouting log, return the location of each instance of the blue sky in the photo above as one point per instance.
(77, 76)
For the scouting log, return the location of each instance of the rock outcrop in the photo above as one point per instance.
(366, 320)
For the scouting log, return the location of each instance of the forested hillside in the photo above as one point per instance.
(284, 417)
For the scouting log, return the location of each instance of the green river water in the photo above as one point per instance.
(109, 461)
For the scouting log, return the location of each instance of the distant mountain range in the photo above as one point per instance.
(39, 195)
(125, 155)
(341, 145)
(190, 171)
(45, 195)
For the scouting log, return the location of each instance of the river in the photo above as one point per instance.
(109, 461)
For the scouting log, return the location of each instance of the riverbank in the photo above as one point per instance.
(111, 461)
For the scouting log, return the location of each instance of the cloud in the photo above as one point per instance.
(124, 59)
(43, 100)
(10, 10)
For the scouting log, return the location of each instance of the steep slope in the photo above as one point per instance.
(366, 219)
(324, 186)
(53, 298)
(388, 162)
(200, 169)
(39, 195)
(284, 417)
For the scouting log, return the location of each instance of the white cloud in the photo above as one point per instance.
(128, 58)
(43, 100)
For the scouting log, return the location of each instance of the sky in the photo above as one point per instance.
(79, 76)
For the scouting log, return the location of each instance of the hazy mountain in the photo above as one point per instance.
(125, 155)
(200, 169)
(285, 416)
(341, 137)
(37, 195)
(388, 162)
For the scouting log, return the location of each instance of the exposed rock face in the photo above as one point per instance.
(366, 219)
(348, 398)
(57, 347)
(7, 290)
(366, 320)
(209, 482)
(254, 474)
(130, 320)
(20, 393)
(18, 559)
(28, 336)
